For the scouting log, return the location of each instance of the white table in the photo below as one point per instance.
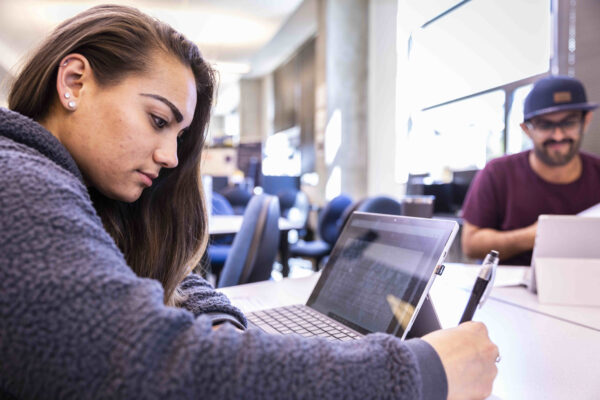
(543, 357)
(231, 224)
(508, 290)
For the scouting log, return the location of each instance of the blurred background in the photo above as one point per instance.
(363, 97)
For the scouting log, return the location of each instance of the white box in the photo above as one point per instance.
(566, 260)
(568, 281)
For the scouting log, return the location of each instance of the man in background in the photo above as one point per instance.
(503, 204)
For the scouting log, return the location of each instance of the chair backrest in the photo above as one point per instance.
(294, 206)
(237, 197)
(328, 219)
(287, 198)
(380, 205)
(273, 184)
(376, 204)
(219, 183)
(255, 246)
(347, 213)
(220, 205)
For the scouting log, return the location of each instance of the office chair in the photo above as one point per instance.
(219, 183)
(255, 246)
(328, 229)
(273, 184)
(380, 205)
(219, 247)
(220, 205)
(375, 204)
(287, 198)
(237, 197)
(295, 207)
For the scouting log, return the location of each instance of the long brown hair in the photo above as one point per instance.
(163, 234)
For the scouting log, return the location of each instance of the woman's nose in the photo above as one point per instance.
(166, 153)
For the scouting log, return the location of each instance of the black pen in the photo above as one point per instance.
(487, 273)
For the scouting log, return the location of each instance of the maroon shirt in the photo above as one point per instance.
(507, 194)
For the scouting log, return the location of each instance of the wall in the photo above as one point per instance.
(347, 98)
(251, 110)
(376, 152)
(294, 99)
(587, 62)
(382, 99)
(317, 194)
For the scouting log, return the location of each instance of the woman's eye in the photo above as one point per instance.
(159, 122)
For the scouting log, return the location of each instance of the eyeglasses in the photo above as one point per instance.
(569, 125)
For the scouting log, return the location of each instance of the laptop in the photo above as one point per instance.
(566, 260)
(377, 279)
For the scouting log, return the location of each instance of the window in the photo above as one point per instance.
(469, 69)
(516, 139)
(461, 135)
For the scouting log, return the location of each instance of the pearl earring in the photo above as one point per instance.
(72, 104)
(67, 95)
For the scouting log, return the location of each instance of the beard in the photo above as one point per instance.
(554, 158)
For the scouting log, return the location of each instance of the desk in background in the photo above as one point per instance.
(231, 224)
(509, 288)
(543, 355)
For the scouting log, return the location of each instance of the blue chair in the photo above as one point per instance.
(220, 205)
(328, 228)
(287, 198)
(255, 246)
(295, 207)
(380, 205)
(375, 204)
(219, 247)
(238, 197)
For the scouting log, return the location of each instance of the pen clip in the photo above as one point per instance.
(489, 286)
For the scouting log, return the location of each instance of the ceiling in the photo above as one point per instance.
(232, 34)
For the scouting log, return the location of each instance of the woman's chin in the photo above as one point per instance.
(126, 196)
(131, 197)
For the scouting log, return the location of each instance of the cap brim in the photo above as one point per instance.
(563, 107)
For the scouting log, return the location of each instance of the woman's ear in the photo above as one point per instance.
(74, 73)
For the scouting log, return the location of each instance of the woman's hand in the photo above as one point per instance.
(469, 358)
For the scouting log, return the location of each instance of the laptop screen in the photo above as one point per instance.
(380, 262)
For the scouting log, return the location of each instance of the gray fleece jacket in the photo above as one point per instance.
(76, 322)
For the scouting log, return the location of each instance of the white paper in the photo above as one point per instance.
(512, 276)
(593, 211)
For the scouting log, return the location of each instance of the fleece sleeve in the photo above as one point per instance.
(76, 322)
(434, 383)
(202, 299)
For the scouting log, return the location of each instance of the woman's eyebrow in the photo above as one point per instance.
(174, 110)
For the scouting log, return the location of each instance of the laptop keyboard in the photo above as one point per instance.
(302, 320)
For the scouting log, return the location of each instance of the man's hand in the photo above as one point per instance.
(469, 358)
(477, 242)
(531, 232)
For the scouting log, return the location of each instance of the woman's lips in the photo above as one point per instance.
(147, 177)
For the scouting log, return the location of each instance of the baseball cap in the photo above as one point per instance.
(556, 93)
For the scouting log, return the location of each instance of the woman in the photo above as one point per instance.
(99, 180)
